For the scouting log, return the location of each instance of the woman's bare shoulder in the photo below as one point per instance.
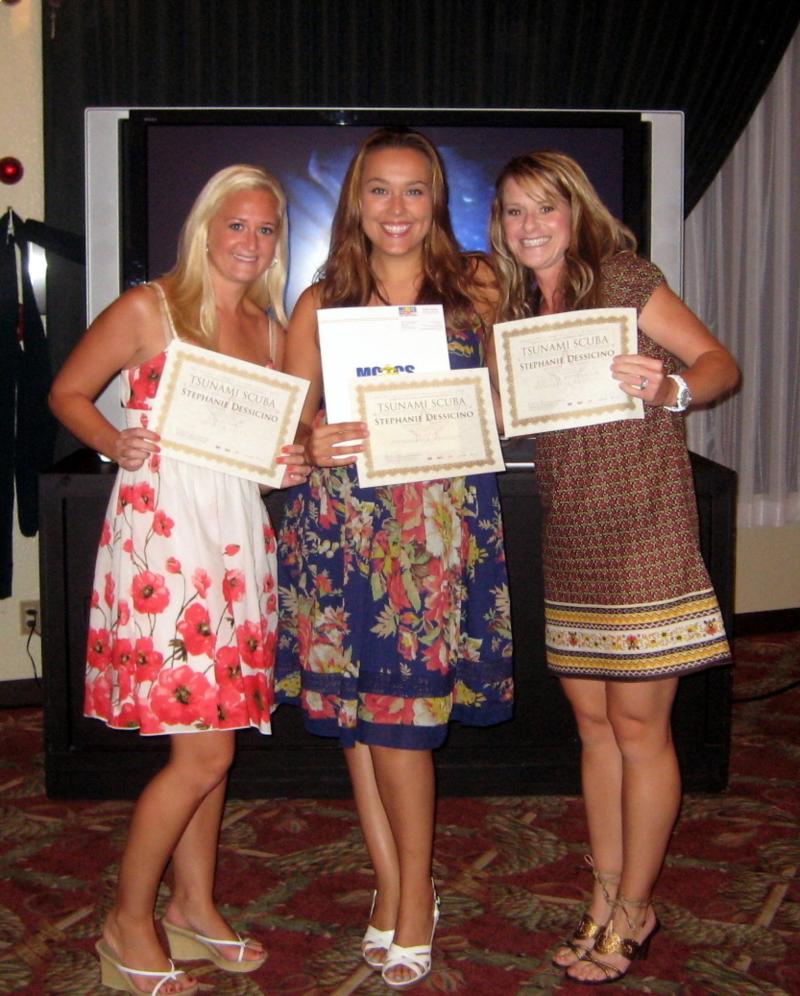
(311, 297)
(137, 311)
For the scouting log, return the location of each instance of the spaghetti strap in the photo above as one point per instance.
(272, 339)
(172, 334)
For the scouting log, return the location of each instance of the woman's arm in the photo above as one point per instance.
(293, 454)
(485, 299)
(303, 360)
(710, 371)
(128, 332)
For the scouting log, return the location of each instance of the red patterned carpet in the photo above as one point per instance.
(510, 872)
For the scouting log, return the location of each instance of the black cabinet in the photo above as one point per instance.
(535, 753)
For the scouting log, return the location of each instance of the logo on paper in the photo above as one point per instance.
(389, 369)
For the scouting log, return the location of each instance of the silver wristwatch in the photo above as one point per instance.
(684, 398)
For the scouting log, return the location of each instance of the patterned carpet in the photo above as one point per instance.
(510, 871)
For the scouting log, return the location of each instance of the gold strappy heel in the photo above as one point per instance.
(609, 942)
(588, 929)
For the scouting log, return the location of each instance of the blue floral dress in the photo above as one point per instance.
(394, 608)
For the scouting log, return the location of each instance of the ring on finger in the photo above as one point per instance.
(643, 383)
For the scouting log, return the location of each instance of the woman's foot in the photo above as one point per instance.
(205, 926)
(135, 948)
(593, 920)
(409, 958)
(625, 939)
(376, 940)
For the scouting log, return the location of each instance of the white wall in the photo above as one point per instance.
(21, 131)
(767, 569)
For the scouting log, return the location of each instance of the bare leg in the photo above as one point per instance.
(378, 837)
(601, 778)
(194, 864)
(640, 715)
(406, 783)
(198, 764)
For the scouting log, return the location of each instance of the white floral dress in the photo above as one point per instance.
(184, 606)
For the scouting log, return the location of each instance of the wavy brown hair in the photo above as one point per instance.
(188, 283)
(448, 275)
(596, 235)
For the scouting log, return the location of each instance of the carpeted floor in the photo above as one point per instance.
(510, 871)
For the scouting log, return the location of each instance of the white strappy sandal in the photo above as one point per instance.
(417, 959)
(115, 975)
(374, 940)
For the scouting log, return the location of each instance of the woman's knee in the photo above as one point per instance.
(640, 735)
(203, 759)
(593, 724)
(640, 715)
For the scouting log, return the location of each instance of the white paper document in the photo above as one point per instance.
(555, 371)
(359, 343)
(226, 414)
(426, 426)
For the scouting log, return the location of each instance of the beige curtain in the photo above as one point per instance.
(742, 276)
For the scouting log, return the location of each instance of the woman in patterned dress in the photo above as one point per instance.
(628, 602)
(396, 599)
(183, 612)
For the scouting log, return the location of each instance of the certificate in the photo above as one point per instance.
(359, 343)
(423, 427)
(226, 414)
(554, 371)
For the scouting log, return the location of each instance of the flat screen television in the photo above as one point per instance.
(144, 167)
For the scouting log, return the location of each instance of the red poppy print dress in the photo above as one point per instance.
(184, 604)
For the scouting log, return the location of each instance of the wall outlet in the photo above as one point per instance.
(30, 618)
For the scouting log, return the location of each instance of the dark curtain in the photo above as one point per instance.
(712, 60)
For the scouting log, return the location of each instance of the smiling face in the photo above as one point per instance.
(396, 201)
(537, 227)
(243, 235)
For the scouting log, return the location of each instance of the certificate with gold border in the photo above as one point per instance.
(554, 371)
(226, 414)
(426, 426)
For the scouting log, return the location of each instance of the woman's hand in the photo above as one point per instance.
(297, 470)
(322, 449)
(643, 377)
(133, 446)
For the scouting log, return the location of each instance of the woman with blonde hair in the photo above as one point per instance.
(183, 610)
(629, 606)
(395, 598)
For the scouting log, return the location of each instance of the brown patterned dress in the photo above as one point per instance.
(627, 595)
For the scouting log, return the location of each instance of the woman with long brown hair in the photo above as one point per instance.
(395, 598)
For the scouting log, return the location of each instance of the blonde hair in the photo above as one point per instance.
(596, 235)
(448, 276)
(188, 284)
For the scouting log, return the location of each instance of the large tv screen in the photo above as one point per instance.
(146, 165)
